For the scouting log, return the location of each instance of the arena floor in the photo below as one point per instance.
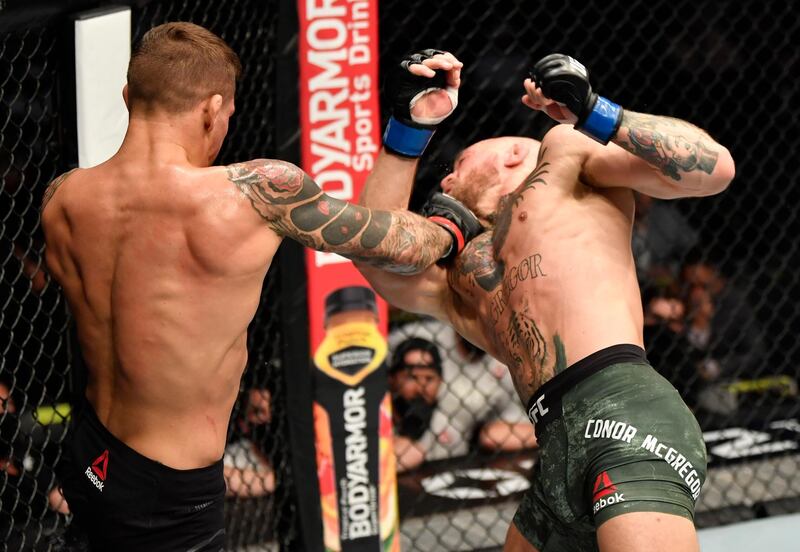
(775, 534)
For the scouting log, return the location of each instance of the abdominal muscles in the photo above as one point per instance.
(567, 291)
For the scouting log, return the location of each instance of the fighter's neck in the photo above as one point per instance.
(162, 142)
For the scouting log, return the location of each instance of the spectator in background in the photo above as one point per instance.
(8, 429)
(721, 321)
(9, 470)
(247, 471)
(25, 472)
(27, 251)
(665, 326)
(704, 333)
(722, 325)
(415, 377)
(31, 265)
(474, 404)
(661, 236)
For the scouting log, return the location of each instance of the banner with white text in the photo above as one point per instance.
(340, 124)
(340, 139)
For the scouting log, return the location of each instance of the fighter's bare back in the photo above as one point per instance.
(162, 264)
(162, 267)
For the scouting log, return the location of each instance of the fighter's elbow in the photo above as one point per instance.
(725, 171)
(717, 179)
(403, 263)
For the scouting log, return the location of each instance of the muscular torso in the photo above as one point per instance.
(555, 279)
(162, 267)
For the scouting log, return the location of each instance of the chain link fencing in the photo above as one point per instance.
(712, 63)
(40, 368)
(719, 289)
(36, 367)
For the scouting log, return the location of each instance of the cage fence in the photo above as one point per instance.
(38, 365)
(718, 288)
(731, 257)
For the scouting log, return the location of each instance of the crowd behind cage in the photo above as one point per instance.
(705, 330)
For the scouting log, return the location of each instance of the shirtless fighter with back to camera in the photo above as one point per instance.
(161, 258)
(550, 290)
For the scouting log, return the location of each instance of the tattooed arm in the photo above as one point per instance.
(451, 294)
(389, 186)
(294, 206)
(658, 156)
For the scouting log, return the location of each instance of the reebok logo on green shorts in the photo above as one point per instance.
(605, 493)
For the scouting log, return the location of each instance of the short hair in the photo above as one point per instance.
(414, 344)
(176, 65)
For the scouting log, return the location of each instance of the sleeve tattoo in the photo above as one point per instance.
(294, 206)
(671, 145)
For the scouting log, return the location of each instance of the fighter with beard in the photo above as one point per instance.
(550, 289)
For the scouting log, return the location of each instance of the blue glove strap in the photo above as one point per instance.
(406, 140)
(603, 120)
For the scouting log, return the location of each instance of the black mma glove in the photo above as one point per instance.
(566, 81)
(453, 216)
(406, 135)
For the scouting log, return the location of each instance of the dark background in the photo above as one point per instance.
(730, 67)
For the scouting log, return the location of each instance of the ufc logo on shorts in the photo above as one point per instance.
(537, 410)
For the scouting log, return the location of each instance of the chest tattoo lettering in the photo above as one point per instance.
(529, 268)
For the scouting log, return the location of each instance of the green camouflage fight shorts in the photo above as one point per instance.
(614, 437)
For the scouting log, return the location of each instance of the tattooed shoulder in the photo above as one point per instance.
(269, 182)
(294, 206)
(272, 181)
(477, 265)
(52, 187)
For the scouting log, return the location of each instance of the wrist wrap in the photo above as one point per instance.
(405, 140)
